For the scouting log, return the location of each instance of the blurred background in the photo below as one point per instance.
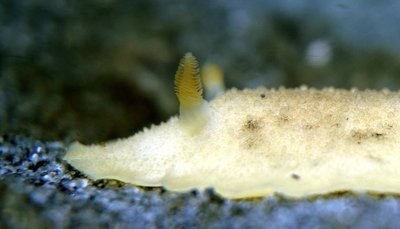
(100, 69)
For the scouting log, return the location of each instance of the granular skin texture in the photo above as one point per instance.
(297, 142)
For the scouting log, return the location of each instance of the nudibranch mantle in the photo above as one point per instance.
(256, 142)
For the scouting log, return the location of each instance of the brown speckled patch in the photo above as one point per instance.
(361, 135)
(251, 125)
(252, 135)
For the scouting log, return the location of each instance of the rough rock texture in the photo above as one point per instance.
(38, 190)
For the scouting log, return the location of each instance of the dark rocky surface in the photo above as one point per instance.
(97, 70)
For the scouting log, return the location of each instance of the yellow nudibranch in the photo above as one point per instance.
(257, 142)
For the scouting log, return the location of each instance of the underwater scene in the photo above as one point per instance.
(235, 114)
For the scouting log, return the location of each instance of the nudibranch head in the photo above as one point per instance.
(143, 161)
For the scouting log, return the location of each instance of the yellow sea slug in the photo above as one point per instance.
(249, 143)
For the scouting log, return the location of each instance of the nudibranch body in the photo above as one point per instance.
(249, 143)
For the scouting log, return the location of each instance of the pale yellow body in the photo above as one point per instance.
(297, 142)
